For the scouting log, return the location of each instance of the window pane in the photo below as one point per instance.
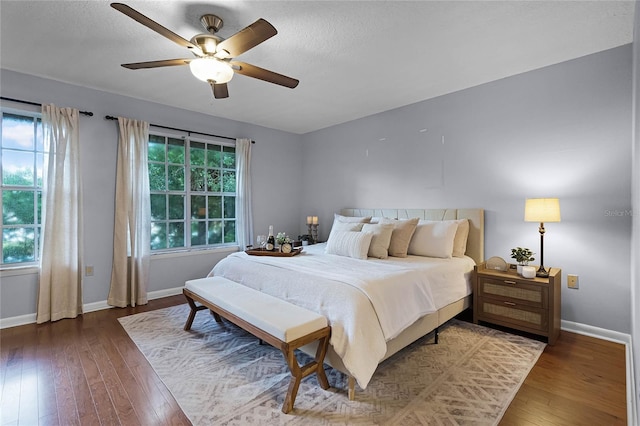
(158, 235)
(229, 207)
(198, 233)
(176, 206)
(198, 207)
(176, 178)
(197, 180)
(18, 207)
(176, 151)
(229, 157)
(215, 207)
(156, 177)
(229, 181)
(176, 234)
(197, 153)
(39, 201)
(229, 231)
(158, 207)
(214, 155)
(215, 232)
(156, 148)
(39, 169)
(17, 131)
(213, 180)
(39, 136)
(17, 167)
(18, 245)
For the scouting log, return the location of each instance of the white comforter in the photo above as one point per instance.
(367, 302)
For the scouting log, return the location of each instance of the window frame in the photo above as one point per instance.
(37, 188)
(188, 192)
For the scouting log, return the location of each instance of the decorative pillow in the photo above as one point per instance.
(401, 236)
(349, 243)
(381, 239)
(352, 219)
(433, 238)
(460, 240)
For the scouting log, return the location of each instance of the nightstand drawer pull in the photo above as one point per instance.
(509, 282)
(509, 303)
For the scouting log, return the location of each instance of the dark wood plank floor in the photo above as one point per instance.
(87, 371)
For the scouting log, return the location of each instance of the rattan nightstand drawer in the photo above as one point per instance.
(509, 300)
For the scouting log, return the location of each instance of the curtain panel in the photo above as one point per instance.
(132, 230)
(60, 283)
(244, 211)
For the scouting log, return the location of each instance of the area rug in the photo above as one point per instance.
(220, 375)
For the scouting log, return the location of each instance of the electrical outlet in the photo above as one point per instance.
(572, 281)
(88, 271)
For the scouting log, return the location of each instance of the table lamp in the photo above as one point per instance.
(542, 210)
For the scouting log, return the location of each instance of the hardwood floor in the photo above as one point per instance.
(87, 371)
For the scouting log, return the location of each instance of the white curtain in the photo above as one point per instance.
(244, 212)
(131, 234)
(60, 287)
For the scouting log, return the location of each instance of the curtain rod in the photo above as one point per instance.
(88, 113)
(110, 117)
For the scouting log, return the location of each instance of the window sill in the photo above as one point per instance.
(10, 271)
(194, 252)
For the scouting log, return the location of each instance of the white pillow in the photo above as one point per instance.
(460, 240)
(349, 243)
(381, 239)
(401, 235)
(433, 238)
(340, 218)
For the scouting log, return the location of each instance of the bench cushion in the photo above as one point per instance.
(277, 317)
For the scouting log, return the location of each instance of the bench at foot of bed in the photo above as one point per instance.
(281, 324)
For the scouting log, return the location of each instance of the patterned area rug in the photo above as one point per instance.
(219, 374)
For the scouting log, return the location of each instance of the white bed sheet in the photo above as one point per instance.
(367, 302)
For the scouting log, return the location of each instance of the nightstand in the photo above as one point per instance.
(527, 304)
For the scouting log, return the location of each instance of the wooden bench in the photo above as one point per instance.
(281, 324)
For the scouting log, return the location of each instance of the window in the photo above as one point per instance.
(21, 165)
(193, 193)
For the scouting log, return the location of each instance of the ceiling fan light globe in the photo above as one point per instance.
(207, 69)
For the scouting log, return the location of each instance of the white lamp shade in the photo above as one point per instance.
(542, 210)
(207, 69)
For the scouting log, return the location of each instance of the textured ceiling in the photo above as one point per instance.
(353, 58)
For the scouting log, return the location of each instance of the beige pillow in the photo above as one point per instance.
(349, 243)
(401, 236)
(381, 239)
(433, 238)
(460, 240)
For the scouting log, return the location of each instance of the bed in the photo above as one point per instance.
(375, 307)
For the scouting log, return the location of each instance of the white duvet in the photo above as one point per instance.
(367, 302)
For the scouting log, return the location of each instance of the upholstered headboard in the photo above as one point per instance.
(475, 241)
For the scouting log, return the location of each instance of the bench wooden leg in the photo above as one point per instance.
(192, 314)
(352, 388)
(298, 373)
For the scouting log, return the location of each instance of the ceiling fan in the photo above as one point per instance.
(214, 55)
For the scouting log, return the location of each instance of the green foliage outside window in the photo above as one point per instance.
(193, 186)
(22, 154)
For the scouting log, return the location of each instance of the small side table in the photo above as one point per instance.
(527, 304)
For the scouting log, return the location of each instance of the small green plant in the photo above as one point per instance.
(282, 238)
(522, 255)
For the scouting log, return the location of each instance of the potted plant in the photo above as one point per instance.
(306, 239)
(284, 242)
(523, 256)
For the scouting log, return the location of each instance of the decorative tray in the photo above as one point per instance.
(260, 252)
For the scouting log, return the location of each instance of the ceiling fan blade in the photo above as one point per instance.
(220, 91)
(157, 64)
(246, 39)
(153, 25)
(263, 74)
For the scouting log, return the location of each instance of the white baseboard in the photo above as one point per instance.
(617, 337)
(87, 307)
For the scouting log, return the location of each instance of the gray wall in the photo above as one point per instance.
(274, 151)
(561, 131)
